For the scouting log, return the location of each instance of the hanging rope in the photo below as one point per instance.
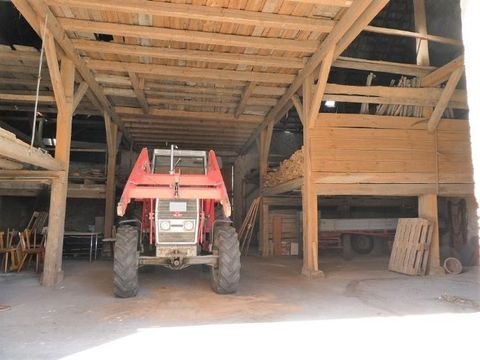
(39, 79)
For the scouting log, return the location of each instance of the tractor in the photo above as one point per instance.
(185, 220)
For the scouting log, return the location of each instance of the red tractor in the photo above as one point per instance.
(180, 191)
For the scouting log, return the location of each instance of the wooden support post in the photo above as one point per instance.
(52, 273)
(428, 209)
(111, 129)
(309, 195)
(264, 147)
(264, 215)
(238, 191)
(423, 57)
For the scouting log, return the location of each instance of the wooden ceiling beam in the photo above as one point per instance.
(349, 26)
(382, 66)
(179, 122)
(198, 128)
(198, 140)
(35, 10)
(203, 13)
(199, 115)
(414, 35)
(188, 36)
(45, 99)
(188, 55)
(340, 3)
(182, 72)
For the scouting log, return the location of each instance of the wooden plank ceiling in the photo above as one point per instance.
(195, 73)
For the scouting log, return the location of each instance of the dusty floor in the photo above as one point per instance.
(78, 318)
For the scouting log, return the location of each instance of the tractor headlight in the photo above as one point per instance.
(188, 225)
(165, 225)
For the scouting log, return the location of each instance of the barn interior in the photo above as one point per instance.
(342, 129)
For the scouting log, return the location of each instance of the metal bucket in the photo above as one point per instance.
(452, 265)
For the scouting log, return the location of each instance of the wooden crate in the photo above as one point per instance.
(411, 246)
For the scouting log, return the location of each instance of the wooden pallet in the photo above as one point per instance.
(411, 246)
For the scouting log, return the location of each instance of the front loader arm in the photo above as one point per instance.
(143, 184)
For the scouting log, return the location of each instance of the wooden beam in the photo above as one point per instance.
(291, 185)
(16, 150)
(189, 36)
(182, 72)
(424, 37)
(19, 174)
(245, 96)
(9, 164)
(36, 10)
(111, 130)
(203, 13)
(52, 272)
(393, 189)
(444, 99)
(428, 209)
(19, 134)
(319, 88)
(340, 3)
(44, 99)
(309, 197)
(420, 15)
(382, 66)
(54, 70)
(442, 74)
(199, 115)
(186, 54)
(299, 107)
(138, 91)
(79, 94)
(347, 24)
(392, 95)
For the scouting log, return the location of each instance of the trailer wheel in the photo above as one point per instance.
(362, 244)
(226, 276)
(125, 281)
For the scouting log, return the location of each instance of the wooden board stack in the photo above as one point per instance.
(289, 169)
(283, 232)
(411, 246)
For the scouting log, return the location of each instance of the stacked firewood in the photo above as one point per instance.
(289, 169)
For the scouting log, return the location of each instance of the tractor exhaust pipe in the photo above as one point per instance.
(172, 148)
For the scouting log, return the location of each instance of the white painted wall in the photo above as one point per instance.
(471, 31)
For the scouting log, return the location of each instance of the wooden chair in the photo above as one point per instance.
(30, 249)
(11, 253)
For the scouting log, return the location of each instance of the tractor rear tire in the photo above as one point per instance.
(226, 276)
(125, 281)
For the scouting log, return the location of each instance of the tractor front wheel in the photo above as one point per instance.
(226, 276)
(125, 281)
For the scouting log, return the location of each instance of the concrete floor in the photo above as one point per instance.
(355, 304)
